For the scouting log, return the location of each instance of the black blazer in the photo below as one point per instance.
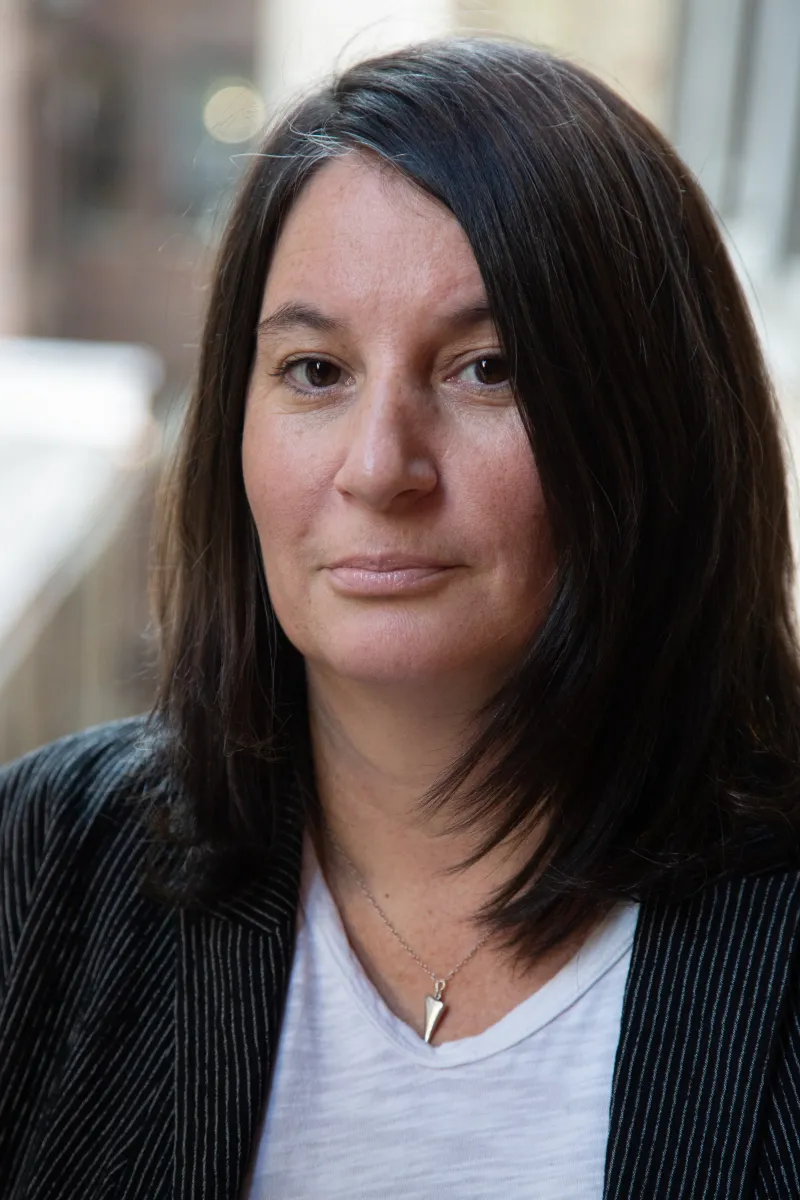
(136, 1042)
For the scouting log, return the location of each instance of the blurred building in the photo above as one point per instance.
(736, 118)
(120, 121)
(629, 43)
(119, 180)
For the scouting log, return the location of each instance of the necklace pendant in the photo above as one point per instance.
(434, 1007)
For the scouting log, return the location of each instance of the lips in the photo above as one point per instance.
(387, 574)
(388, 562)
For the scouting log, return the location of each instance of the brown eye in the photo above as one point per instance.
(318, 372)
(491, 371)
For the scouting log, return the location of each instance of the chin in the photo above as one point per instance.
(402, 650)
(406, 663)
(401, 669)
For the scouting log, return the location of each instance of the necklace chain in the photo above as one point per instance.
(439, 980)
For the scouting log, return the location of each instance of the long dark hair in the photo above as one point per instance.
(651, 733)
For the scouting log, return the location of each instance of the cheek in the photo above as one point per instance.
(525, 533)
(525, 562)
(283, 485)
(503, 495)
(282, 480)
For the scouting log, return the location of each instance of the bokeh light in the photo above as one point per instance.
(234, 112)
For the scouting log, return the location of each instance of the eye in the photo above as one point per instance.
(490, 370)
(312, 373)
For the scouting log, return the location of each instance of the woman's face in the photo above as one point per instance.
(393, 487)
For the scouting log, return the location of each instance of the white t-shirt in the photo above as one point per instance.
(360, 1106)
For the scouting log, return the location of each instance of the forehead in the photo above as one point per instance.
(361, 233)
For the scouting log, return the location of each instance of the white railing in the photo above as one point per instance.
(78, 446)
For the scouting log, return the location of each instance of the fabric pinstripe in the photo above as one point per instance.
(136, 1042)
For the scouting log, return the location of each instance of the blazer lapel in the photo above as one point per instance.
(700, 1019)
(233, 976)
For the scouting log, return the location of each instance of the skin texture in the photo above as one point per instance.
(380, 422)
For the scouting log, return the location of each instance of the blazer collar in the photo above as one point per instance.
(233, 976)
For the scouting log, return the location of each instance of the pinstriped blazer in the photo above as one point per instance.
(136, 1042)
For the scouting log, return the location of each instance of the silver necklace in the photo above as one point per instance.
(434, 1005)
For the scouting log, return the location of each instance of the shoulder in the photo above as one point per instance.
(737, 938)
(709, 1049)
(72, 779)
(743, 904)
(62, 806)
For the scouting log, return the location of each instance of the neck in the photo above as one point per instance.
(377, 752)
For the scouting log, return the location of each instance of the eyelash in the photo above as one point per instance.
(282, 372)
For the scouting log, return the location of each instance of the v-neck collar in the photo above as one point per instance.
(606, 946)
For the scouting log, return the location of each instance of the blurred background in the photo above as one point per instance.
(124, 127)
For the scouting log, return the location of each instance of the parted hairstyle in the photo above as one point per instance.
(651, 731)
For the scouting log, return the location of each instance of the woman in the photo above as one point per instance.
(459, 855)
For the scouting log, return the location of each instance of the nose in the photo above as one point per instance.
(389, 461)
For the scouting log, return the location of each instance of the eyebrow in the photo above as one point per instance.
(295, 315)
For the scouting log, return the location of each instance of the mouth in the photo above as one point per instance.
(388, 562)
(387, 575)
